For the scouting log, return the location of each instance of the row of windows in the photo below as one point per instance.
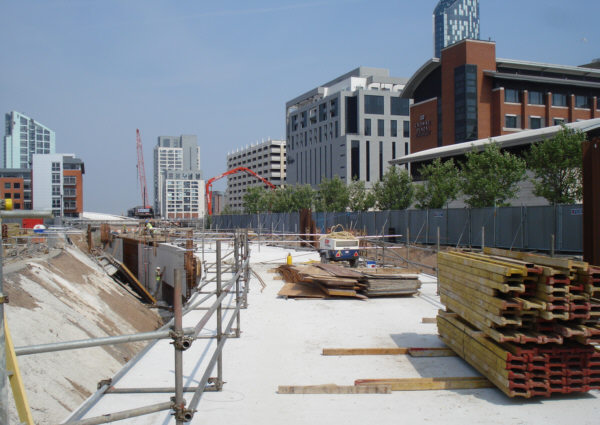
(539, 98)
(8, 185)
(275, 150)
(514, 121)
(393, 128)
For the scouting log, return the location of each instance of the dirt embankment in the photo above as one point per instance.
(65, 296)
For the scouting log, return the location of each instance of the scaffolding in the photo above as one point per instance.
(230, 281)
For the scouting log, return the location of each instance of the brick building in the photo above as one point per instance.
(469, 94)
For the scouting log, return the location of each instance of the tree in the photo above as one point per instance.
(302, 196)
(441, 184)
(332, 195)
(491, 177)
(395, 191)
(360, 198)
(253, 200)
(556, 164)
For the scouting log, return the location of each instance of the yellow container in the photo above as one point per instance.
(289, 259)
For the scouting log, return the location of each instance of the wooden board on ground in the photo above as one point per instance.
(364, 351)
(428, 320)
(334, 389)
(300, 290)
(422, 384)
(375, 351)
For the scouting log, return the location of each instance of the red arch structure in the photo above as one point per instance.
(208, 189)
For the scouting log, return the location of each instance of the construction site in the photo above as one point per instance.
(109, 322)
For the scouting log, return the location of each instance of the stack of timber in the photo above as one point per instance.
(337, 281)
(528, 322)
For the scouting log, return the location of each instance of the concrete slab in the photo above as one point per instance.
(281, 344)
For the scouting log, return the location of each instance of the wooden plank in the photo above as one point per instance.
(428, 320)
(424, 384)
(334, 389)
(15, 379)
(300, 290)
(431, 352)
(363, 351)
(144, 293)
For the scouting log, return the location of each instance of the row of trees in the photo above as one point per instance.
(488, 178)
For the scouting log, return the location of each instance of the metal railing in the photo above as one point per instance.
(182, 339)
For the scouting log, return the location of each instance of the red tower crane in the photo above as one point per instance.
(208, 189)
(141, 170)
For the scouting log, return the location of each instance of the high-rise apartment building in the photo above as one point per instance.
(453, 21)
(57, 182)
(178, 184)
(267, 159)
(350, 127)
(23, 138)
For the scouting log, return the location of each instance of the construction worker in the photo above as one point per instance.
(159, 275)
(149, 228)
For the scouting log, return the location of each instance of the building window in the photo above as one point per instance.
(559, 99)
(333, 108)
(351, 115)
(380, 128)
(367, 127)
(510, 121)
(399, 106)
(536, 98)
(535, 122)
(17, 206)
(558, 121)
(17, 185)
(16, 196)
(6, 185)
(393, 150)
(465, 103)
(56, 166)
(512, 96)
(380, 160)
(55, 178)
(354, 160)
(582, 102)
(406, 129)
(7, 196)
(373, 104)
(394, 128)
(368, 161)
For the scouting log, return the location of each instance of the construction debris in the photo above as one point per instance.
(336, 281)
(527, 322)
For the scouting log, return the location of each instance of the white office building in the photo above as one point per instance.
(178, 184)
(349, 127)
(267, 159)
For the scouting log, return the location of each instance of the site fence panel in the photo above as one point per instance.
(508, 228)
(570, 231)
(417, 221)
(482, 227)
(529, 228)
(540, 225)
(458, 227)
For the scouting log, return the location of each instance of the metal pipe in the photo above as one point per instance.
(26, 214)
(124, 414)
(237, 283)
(177, 328)
(153, 390)
(211, 364)
(219, 382)
(3, 372)
(96, 342)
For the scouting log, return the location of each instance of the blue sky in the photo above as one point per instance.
(95, 70)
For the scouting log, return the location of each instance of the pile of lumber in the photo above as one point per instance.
(528, 322)
(330, 280)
